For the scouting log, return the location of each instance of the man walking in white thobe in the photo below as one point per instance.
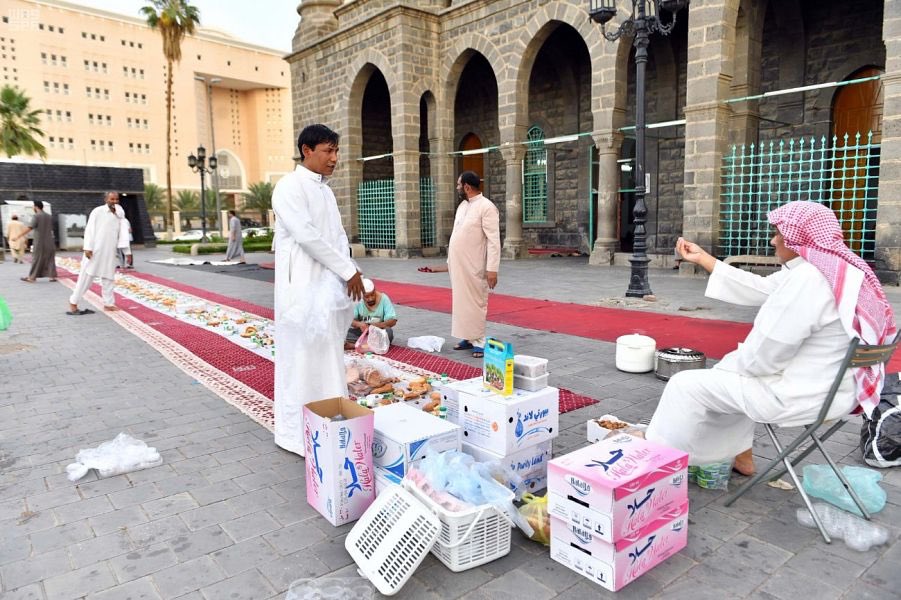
(102, 237)
(316, 285)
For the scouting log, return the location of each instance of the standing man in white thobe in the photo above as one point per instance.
(102, 238)
(235, 250)
(316, 286)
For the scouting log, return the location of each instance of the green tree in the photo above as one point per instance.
(174, 19)
(188, 202)
(154, 197)
(259, 198)
(19, 124)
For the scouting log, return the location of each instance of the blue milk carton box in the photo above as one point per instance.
(405, 435)
(497, 371)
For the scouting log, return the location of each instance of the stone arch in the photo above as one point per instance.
(237, 172)
(358, 72)
(515, 109)
(458, 57)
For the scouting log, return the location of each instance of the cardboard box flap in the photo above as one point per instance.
(333, 407)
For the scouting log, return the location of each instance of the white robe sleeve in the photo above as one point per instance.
(90, 230)
(295, 218)
(791, 314)
(733, 285)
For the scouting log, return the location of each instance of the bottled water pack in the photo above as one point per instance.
(859, 534)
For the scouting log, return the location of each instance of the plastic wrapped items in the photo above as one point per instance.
(859, 534)
(429, 343)
(713, 476)
(821, 482)
(535, 512)
(331, 588)
(123, 454)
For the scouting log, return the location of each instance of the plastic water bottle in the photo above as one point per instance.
(444, 378)
(442, 412)
(859, 534)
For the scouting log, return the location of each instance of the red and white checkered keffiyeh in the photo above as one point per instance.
(811, 230)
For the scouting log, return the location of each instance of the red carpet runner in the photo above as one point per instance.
(256, 372)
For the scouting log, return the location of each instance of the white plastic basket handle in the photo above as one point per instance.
(472, 526)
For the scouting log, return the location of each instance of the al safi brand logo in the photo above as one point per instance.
(580, 486)
(378, 448)
(523, 421)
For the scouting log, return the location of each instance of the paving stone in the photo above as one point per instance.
(170, 505)
(187, 577)
(258, 500)
(292, 538)
(822, 566)
(331, 552)
(28, 592)
(290, 513)
(249, 585)
(181, 483)
(60, 536)
(445, 583)
(246, 555)
(14, 548)
(861, 590)
(715, 523)
(80, 582)
(225, 472)
(139, 589)
(34, 569)
(100, 548)
(82, 510)
(117, 519)
(160, 530)
(884, 572)
(300, 565)
(141, 562)
(101, 487)
(199, 543)
(788, 584)
(216, 492)
(137, 495)
(28, 522)
(250, 526)
(205, 516)
(52, 499)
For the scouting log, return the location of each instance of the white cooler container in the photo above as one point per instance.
(635, 353)
(530, 384)
(529, 366)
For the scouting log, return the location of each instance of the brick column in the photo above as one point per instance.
(888, 216)
(444, 180)
(608, 144)
(408, 241)
(513, 242)
(711, 48)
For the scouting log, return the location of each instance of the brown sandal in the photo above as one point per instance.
(27, 280)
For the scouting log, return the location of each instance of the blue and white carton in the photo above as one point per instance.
(530, 463)
(404, 435)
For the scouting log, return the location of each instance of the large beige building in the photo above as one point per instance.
(100, 78)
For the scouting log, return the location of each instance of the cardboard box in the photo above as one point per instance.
(339, 470)
(508, 424)
(404, 435)
(613, 565)
(384, 480)
(450, 394)
(497, 368)
(530, 463)
(617, 486)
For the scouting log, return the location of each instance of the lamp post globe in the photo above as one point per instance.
(198, 165)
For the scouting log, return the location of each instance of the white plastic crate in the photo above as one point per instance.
(392, 538)
(468, 538)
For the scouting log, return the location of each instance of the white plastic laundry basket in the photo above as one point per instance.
(392, 538)
(468, 538)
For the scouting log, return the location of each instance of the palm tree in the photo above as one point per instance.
(174, 19)
(259, 198)
(153, 197)
(19, 125)
(188, 202)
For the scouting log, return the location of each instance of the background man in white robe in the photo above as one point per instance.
(235, 250)
(103, 235)
(473, 259)
(809, 311)
(316, 284)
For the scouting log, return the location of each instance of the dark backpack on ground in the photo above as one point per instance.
(880, 435)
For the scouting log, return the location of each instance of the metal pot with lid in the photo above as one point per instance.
(670, 361)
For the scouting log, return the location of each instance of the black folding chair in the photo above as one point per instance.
(857, 356)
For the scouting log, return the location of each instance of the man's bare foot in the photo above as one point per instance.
(744, 463)
(110, 308)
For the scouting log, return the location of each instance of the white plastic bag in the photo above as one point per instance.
(429, 343)
(121, 455)
(377, 341)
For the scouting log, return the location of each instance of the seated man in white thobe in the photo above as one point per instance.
(824, 296)
(102, 238)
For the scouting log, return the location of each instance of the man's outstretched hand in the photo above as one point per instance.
(355, 287)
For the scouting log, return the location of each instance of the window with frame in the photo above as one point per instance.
(534, 178)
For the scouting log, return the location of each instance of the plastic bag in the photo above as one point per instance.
(6, 317)
(429, 343)
(822, 482)
(535, 512)
(880, 435)
(713, 476)
(331, 588)
(319, 309)
(121, 455)
(377, 340)
(858, 533)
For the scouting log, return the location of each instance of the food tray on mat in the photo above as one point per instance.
(607, 425)
(470, 537)
(392, 538)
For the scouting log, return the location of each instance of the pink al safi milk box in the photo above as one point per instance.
(338, 464)
(613, 565)
(617, 486)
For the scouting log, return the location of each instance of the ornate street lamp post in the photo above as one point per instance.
(198, 165)
(643, 21)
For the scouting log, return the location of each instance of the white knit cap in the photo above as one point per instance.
(368, 286)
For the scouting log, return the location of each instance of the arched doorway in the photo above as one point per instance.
(857, 132)
(375, 194)
(472, 162)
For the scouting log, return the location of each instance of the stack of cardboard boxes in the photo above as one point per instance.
(618, 508)
(516, 429)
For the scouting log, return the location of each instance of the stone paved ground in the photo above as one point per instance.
(225, 515)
